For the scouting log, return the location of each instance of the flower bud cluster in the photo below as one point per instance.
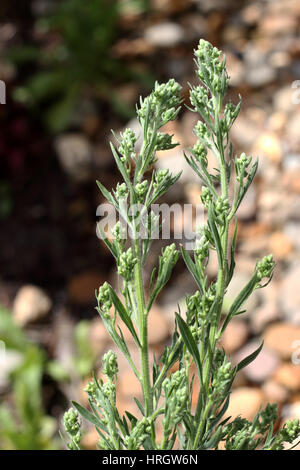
(201, 101)
(265, 267)
(222, 379)
(121, 191)
(72, 427)
(206, 196)
(170, 254)
(110, 364)
(290, 431)
(126, 263)
(176, 394)
(127, 144)
(222, 209)
(162, 103)
(242, 163)
(161, 176)
(200, 152)
(211, 69)
(141, 190)
(138, 434)
(164, 141)
(104, 299)
(202, 133)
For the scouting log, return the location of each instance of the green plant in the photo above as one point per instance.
(73, 59)
(24, 425)
(195, 339)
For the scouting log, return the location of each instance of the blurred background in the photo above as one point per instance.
(73, 71)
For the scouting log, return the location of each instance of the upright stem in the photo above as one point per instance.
(220, 288)
(143, 329)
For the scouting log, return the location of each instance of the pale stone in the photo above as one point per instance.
(31, 304)
(245, 402)
(281, 338)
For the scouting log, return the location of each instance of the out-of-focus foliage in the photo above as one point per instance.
(72, 57)
(85, 356)
(24, 424)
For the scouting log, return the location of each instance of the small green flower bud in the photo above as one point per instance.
(290, 431)
(222, 209)
(202, 132)
(160, 177)
(71, 421)
(110, 364)
(141, 190)
(242, 163)
(121, 191)
(126, 264)
(170, 254)
(200, 100)
(104, 299)
(138, 434)
(90, 389)
(265, 267)
(206, 196)
(164, 141)
(200, 152)
(119, 232)
(127, 144)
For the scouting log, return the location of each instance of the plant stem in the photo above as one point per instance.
(143, 328)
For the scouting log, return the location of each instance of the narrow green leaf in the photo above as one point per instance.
(86, 414)
(189, 342)
(249, 358)
(120, 165)
(232, 251)
(215, 234)
(191, 267)
(107, 242)
(106, 193)
(139, 405)
(243, 296)
(123, 314)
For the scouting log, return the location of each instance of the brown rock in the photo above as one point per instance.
(275, 392)
(269, 145)
(246, 402)
(252, 230)
(235, 336)
(289, 376)
(158, 326)
(75, 155)
(82, 287)
(129, 386)
(98, 336)
(281, 337)
(247, 209)
(90, 440)
(280, 245)
(291, 180)
(277, 24)
(170, 6)
(268, 312)
(277, 121)
(31, 304)
(235, 69)
(252, 13)
(289, 295)
(127, 405)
